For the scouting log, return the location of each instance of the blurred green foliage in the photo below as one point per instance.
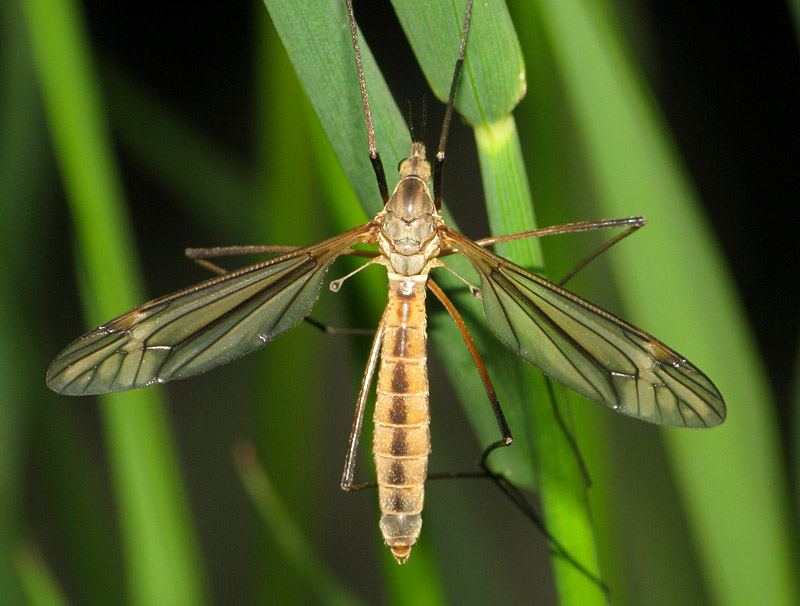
(93, 498)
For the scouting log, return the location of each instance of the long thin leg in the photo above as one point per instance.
(600, 250)
(338, 330)
(502, 424)
(633, 223)
(505, 431)
(225, 251)
(374, 156)
(438, 162)
(358, 420)
(562, 424)
(490, 392)
(566, 228)
(518, 498)
(508, 488)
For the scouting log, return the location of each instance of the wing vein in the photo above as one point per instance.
(587, 348)
(273, 288)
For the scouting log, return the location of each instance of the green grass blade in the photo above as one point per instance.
(634, 169)
(481, 49)
(487, 425)
(18, 131)
(277, 206)
(160, 551)
(492, 80)
(318, 44)
(316, 577)
(561, 485)
(317, 41)
(41, 589)
(290, 380)
(496, 76)
(57, 458)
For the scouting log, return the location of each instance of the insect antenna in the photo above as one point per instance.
(411, 124)
(424, 115)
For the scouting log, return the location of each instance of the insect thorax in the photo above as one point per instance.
(408, 238)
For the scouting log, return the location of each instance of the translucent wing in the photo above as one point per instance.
(588, 349)
(199, 328)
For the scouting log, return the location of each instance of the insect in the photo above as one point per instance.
(573, 341)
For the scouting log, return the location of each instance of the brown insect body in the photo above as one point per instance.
(401, 440)
(409, 245)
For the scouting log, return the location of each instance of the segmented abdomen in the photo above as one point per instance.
(402, 442)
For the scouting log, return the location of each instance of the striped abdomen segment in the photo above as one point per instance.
(401, 443)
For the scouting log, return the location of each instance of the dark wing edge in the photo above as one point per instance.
(201, 327)
(588, 349)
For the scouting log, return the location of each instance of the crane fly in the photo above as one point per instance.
(586, 348)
